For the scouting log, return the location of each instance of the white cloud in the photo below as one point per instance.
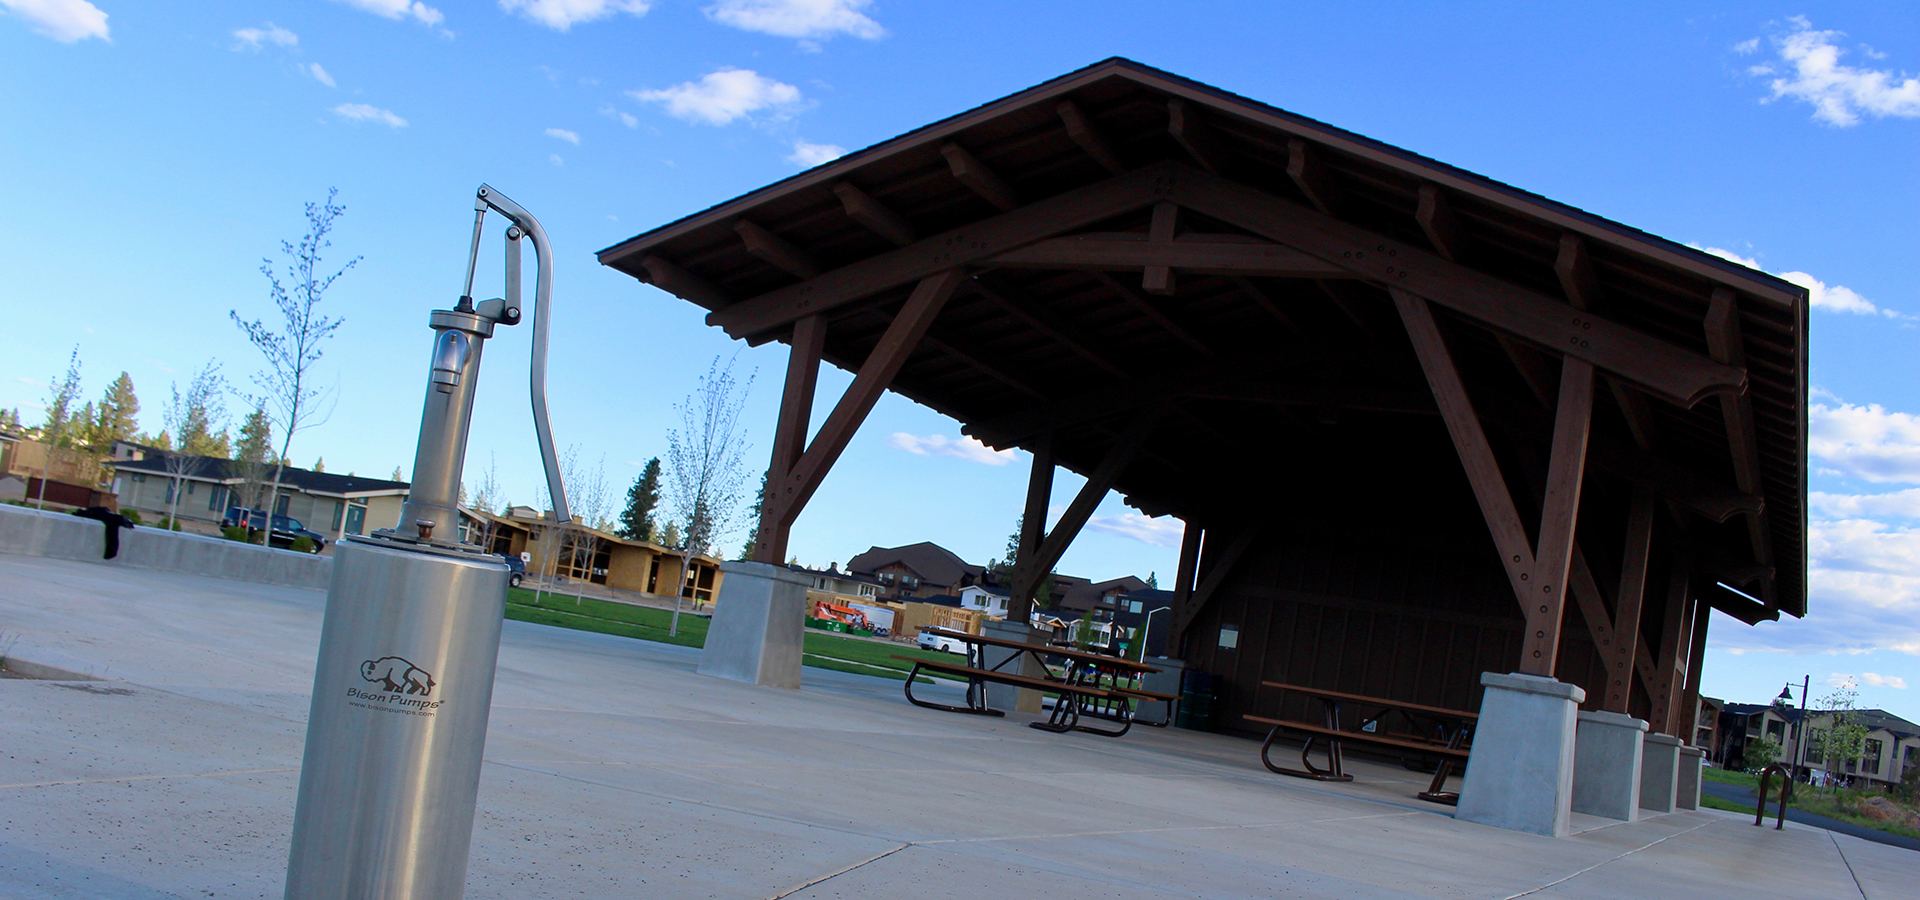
(1897, 505)
(1751, 45)
(561, 15)
(810, 155)
(361, 112)
(555, 159)
(959, 448)
(320, 74)
(1162, 532)
(1839, 94)
(65, 21)
(1868, 442)
(1892, 681)
(1840, 680)
(1832, 298)
(399, 9)
(722, 96)
(625, 118)
(564, 135)
(255, 38)
(816, 19)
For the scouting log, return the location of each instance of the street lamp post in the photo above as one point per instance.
(1800, 731)
(1147, 628)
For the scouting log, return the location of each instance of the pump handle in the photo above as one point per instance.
(542, 314)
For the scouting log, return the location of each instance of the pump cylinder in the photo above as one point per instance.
(398, 723)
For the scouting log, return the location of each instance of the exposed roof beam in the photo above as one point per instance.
(665, 275)
(1442, 227)
(1725, 344)
(1309, 174)
(1260, 299)
(855, 281)
(1045, 323)
(1157, 278)
(874, 215)
(973, 173)
(1670, 371)
(1194, 136)
(1083, 132)
(1195, 253)
(1574, 266)
(773, 249)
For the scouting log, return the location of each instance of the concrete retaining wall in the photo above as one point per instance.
(29, 532)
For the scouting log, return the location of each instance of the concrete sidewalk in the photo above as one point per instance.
(613, 770)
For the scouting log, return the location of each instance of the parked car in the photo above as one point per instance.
(516, 570)
(931, 641)
(286, 529)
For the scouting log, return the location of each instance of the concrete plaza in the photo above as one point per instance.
(615, 771)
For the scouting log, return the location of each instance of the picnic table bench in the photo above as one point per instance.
(1079, 692)
(1439, 735)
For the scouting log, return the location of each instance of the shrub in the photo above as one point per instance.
(235, 533)
(1760, 753)
(133, 515)
(303, 544)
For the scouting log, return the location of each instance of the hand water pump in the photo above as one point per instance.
(412, 632)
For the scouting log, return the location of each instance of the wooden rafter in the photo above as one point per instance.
(1193, 135)
(670, 277)
(1083, 133)
(775, 250)
(1201, 254)
(1440, 224)
(1148, 308)
(1309, 174)
(1043, 322)
(1725, 345)
(875, 216)
(973, 173)
(1663, 368)
(858, 281)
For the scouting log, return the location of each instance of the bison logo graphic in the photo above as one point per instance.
(398, 675)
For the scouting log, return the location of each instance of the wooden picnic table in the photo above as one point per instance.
(1439, 734)
(1079, 692)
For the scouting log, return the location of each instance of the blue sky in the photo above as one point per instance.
(151, 154)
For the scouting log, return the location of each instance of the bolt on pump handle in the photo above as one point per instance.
(488, 198)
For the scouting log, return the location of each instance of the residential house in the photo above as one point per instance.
(989, 599)
(915, 570)
(326, 503)
(578, 553)
(50, 475)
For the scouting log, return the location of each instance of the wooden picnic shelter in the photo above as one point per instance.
(1419, 424)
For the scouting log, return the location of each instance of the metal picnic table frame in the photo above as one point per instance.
(1080, 693)
(1440, 733)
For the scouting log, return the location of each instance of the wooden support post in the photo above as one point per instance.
(1218, 568)
(1670, 655)
(1033, 529)
(790, 437)
(788, 496)
(1034, 566)
(1566, 469)
(1159, 279)
(1633, 583)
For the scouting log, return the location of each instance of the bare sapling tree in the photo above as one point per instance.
(706, 468)
(587, 499)
(486, 499)
(293, 346)
(193, 417)
(549, 541)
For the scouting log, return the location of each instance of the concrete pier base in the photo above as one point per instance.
(757, 627)
(1659, 772)
(1687, 794)
(1007, 698)
(1520, 776)
(1606, 765)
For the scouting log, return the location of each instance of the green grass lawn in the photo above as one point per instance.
(1728, 777)
(820, 650)
(1834, 803)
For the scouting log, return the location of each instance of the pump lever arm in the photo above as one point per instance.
(542, 315)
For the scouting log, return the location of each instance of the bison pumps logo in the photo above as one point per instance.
(404, 688)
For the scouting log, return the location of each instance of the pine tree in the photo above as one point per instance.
(198, 418)
(397, 475)
(636, 522)
(320, 465)
(671, 538)
(60, 425)
(1153, 581)
(117, 415)
(84, 424)
(254, 453)
(9, 420)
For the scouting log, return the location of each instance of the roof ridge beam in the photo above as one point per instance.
(970, 171)
(860, 280)
(875, 216)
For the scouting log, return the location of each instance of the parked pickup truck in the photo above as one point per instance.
(286, 529)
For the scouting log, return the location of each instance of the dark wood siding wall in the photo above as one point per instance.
(1415, 620)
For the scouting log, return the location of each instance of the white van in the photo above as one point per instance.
(931, 641)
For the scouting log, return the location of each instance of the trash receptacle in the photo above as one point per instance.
(1196, 701)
